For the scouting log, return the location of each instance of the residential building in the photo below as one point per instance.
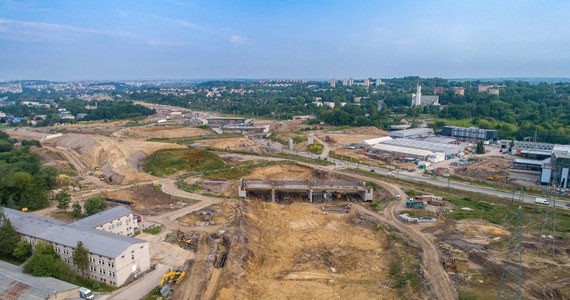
(459, 91)
(470, 134)
(438, 90)
(345, 81)
(117, 220)
(333, 83)
(114, 259)
(493, 91)
(366, 82)
(483, 89)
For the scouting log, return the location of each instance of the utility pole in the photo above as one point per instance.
(512, 267)
(548, 229)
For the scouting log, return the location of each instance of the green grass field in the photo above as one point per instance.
(169, 161)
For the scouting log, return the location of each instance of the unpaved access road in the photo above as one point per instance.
(438, 279)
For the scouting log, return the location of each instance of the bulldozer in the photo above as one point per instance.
(172, 277)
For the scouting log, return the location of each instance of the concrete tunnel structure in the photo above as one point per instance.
(313, 190)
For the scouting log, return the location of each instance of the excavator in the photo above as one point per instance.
(172, 277)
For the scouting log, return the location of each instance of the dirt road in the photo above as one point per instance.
(438, 279)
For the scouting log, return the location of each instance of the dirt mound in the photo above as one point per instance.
(146, 199)
(294, 252)
(284, 172)
(166, 132)
(113, 159)
(473, 227)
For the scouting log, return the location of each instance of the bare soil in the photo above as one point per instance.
(147, 199)
(350, 136)
(295, 252)
(485, 247)
(111, 157)
(216, 214)
(286, 172)
(165, 132)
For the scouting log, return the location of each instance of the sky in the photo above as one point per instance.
(301, 39)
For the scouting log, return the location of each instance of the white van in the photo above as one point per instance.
(541, 201)
(86, 293)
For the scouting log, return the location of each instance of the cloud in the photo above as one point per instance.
(34, 31)
(237, 40)
(157, 43)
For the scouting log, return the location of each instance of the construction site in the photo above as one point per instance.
(301, 230)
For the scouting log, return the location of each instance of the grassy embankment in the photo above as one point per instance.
(169, 161)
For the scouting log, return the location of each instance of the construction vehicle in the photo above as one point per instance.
(182, 237)
(172, 277)
(411, 203)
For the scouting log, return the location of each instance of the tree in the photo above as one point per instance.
(9, 237)
(94, 205)
(63, 199)
(44, 248)
(23, 250)
(81, 257)
(480, 148)
(76, 213)
(45, 262)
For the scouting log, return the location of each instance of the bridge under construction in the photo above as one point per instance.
(310, 190)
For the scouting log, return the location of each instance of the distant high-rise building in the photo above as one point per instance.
(345, 81)
(333, 83)
(378, 82)
(417, 97)
(493, 91)
(438, 90)
(350, 81)
(459, 91)
(366, 82)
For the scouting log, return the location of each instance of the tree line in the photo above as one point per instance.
(25, 182)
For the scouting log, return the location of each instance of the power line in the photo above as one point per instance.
(512, 267)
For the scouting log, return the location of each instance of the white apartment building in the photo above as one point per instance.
(113, 258)
(117, 220)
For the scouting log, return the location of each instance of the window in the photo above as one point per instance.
(133, 257)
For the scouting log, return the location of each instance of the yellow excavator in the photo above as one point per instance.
(172, 277)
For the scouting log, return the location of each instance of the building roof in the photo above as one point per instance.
(375, 141)
(439, 139)
(402, 150)
(411, 131)
(102, 217)
(96, 241)
(16, 285)
(425, 145)
(528, 161)
(536, 152)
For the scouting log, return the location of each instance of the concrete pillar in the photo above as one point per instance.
(311, 195)
(272, 195)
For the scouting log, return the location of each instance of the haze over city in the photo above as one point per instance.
(77, 40)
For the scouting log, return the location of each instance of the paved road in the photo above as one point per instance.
(438, 182)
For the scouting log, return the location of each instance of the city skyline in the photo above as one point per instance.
(107, 40)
